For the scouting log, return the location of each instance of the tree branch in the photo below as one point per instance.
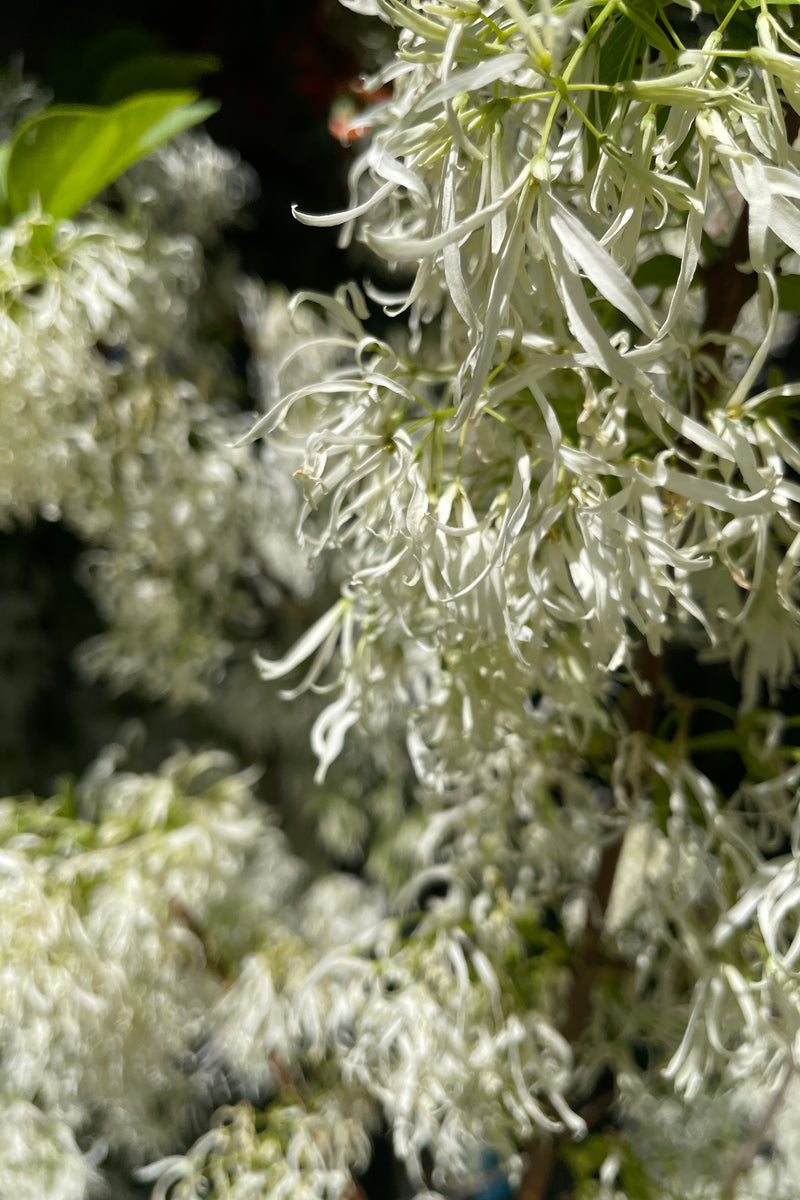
(588, 958)
(749, 1148)
(727, 288)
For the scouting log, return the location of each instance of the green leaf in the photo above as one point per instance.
(660, 271)
(67, 154)
(155, 72)
(640, 14)
(635, 1178)
(789, 293)
(619, 56)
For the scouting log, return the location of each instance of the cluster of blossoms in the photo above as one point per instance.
(149, 974)
(575, 456)
(121, 900)
(570, 467)
(565, 458)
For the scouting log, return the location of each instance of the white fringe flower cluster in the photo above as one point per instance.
(572, 456)
(555, 465)
(573, 453)
(116, 905)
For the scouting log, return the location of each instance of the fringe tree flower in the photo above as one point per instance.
(564, 458)
(107, 980)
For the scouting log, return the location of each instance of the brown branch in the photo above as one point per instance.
(180, 914)
(354, 1190)
(727, 288)
(541, 1160)
(749, 1148)
(588, 959)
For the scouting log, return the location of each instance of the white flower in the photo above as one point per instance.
(40, 1158)
(110, 926)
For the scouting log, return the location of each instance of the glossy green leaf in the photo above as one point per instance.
(67, 154)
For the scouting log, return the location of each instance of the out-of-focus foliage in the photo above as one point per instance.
(64, 156)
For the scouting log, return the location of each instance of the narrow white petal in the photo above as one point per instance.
(473, 78)
(322, 220)
(311, 640)
(598, 266)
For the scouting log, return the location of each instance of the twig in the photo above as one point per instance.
(354, 1190)
(727, 290)
(749, 1148)
(588, 958)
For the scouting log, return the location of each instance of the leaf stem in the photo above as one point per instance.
(563, 80)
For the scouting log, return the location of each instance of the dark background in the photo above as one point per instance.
(281, 66)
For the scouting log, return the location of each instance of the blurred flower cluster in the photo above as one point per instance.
(120, 413)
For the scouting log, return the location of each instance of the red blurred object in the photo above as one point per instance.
(359, 90)
(349, 116)
(324, 73)
(345, 130)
